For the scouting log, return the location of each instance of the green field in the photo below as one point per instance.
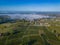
(24, 33)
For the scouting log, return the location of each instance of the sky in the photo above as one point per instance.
(29, 5)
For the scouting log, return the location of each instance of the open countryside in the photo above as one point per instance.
(27, 31)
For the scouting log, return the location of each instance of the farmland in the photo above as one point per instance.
(26, 33)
